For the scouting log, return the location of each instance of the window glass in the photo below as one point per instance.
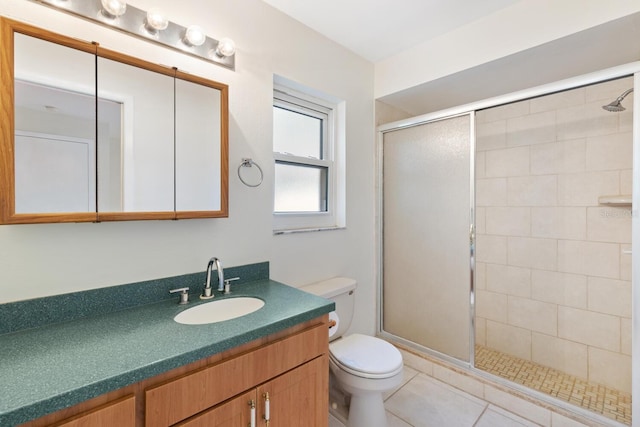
(296, 133)
(300, 188)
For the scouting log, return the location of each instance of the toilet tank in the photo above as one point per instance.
(341, 291)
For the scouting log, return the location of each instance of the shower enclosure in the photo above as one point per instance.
(426, 231)
(506, 234)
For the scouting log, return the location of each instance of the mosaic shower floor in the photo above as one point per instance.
(609, 402)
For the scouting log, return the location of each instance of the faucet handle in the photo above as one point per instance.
(184, 294)
(207, 292)
(227, 284)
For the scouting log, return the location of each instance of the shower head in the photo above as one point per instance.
(615, 106)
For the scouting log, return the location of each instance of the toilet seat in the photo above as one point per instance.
(366, 356)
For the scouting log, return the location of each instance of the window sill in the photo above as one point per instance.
(306, 230)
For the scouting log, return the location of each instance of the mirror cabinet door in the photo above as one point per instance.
(54, 128)
(198, 147)
(135, 139)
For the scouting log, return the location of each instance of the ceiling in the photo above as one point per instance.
(378, 29)
(608, 45)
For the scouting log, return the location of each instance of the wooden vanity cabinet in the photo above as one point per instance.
(295, 398)
(292, 399)
(291, 366)
(186, 396)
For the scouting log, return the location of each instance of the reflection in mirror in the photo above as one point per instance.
(54, 117)
(135, 156)
(110, 137)
(198, 142)
(60, 176)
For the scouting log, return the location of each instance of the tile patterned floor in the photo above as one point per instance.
(422, 401)
(611, 403)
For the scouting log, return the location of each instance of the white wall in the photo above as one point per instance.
(47, 259)
(524, 25)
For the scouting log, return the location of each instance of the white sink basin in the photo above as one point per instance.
(218, 311)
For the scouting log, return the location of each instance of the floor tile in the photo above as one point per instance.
(497, 417)
(425, 402)
(407, 375)
(393, 421)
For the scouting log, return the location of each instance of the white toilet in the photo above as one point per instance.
(364, 366)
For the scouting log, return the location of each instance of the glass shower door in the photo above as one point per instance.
(426, 235)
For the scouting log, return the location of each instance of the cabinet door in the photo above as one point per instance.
(186, 396)
(298, 398)
(235, 412)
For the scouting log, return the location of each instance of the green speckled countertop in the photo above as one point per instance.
(48, 368)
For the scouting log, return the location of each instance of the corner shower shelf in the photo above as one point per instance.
(615, 200)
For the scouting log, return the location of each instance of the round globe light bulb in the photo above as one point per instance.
(114, 8)
(195, 36)
(226, 47)
(156, 20)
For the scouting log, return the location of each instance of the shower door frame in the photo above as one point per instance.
(380, 239)
(626, 70)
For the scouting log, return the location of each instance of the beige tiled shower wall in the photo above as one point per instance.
(553, 284)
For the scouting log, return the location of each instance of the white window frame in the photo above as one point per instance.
(328, 111)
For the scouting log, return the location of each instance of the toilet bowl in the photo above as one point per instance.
(365, 367)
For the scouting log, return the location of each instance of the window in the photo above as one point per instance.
(304, 150)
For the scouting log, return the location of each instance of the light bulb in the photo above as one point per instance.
(226, 47)
(194, 36)
(156, 20)
(114, 8)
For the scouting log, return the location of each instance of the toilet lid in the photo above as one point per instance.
(366, 355)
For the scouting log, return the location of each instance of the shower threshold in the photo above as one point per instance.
(604, 400)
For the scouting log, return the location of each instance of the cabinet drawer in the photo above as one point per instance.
(183, 397)
(121, 413)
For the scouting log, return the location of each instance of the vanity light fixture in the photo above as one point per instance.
(194, 36)
(153, 26)
(113, 8)
(226, 48)
(155, 21)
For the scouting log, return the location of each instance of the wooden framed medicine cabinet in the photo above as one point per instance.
(88, 134)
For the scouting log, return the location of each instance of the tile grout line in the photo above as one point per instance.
(484, 411)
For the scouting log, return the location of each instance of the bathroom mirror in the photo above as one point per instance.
(197, 140)
(135, 166)
(54, 127)
(90, 134)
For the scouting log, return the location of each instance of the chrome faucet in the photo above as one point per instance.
(207, 291)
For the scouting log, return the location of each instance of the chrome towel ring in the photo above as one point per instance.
(247, 163)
